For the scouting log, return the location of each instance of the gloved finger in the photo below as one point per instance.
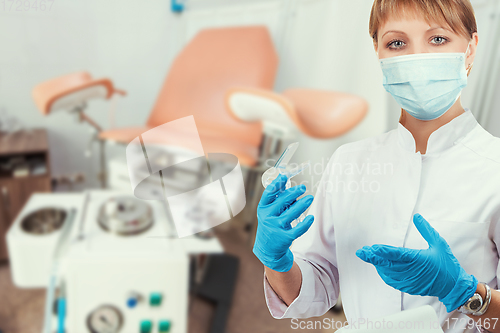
(289, 196)
(393, 253)
(378, 260)
(407, 283)
(285, 200)
(410, 255)
(273, 189)
(426, 230)
(302, 227)
(296, 208)
(293, 212)
(362, 253)
(399, 267)
(367, 254)
(390, 280)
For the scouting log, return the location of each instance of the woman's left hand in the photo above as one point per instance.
(431, 272)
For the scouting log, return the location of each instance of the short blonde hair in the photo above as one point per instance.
(457, 14)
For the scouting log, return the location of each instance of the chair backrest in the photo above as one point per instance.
(214, 61)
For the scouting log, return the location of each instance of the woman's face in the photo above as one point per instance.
(412, 36)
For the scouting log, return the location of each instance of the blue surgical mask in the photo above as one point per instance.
(426, 85)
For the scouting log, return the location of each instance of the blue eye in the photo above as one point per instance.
(439, 40)
(396, 44)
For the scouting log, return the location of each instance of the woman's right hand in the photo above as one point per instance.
(278, 207)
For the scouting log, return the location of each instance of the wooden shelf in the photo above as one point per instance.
(29, 145)
(24, 142)
(27, 177)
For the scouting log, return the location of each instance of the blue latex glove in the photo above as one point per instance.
(431, 272)
(277, 209)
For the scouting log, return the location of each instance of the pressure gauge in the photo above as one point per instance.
(105, 319)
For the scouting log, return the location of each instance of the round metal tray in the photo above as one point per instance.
(44, 221)
(125, 216)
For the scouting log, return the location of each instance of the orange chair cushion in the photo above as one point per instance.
(47, 93)
(326, 114)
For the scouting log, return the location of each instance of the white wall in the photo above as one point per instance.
(493, 124)
(488, 14)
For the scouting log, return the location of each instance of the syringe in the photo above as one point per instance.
(281, 167)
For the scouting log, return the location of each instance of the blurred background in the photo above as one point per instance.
(80, 80)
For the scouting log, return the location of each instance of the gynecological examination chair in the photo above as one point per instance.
(224, 77)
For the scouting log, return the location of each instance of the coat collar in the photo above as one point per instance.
(444, 137)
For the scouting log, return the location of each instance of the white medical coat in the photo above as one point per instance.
(368, 195)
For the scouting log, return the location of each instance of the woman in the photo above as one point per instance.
(406, 218)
